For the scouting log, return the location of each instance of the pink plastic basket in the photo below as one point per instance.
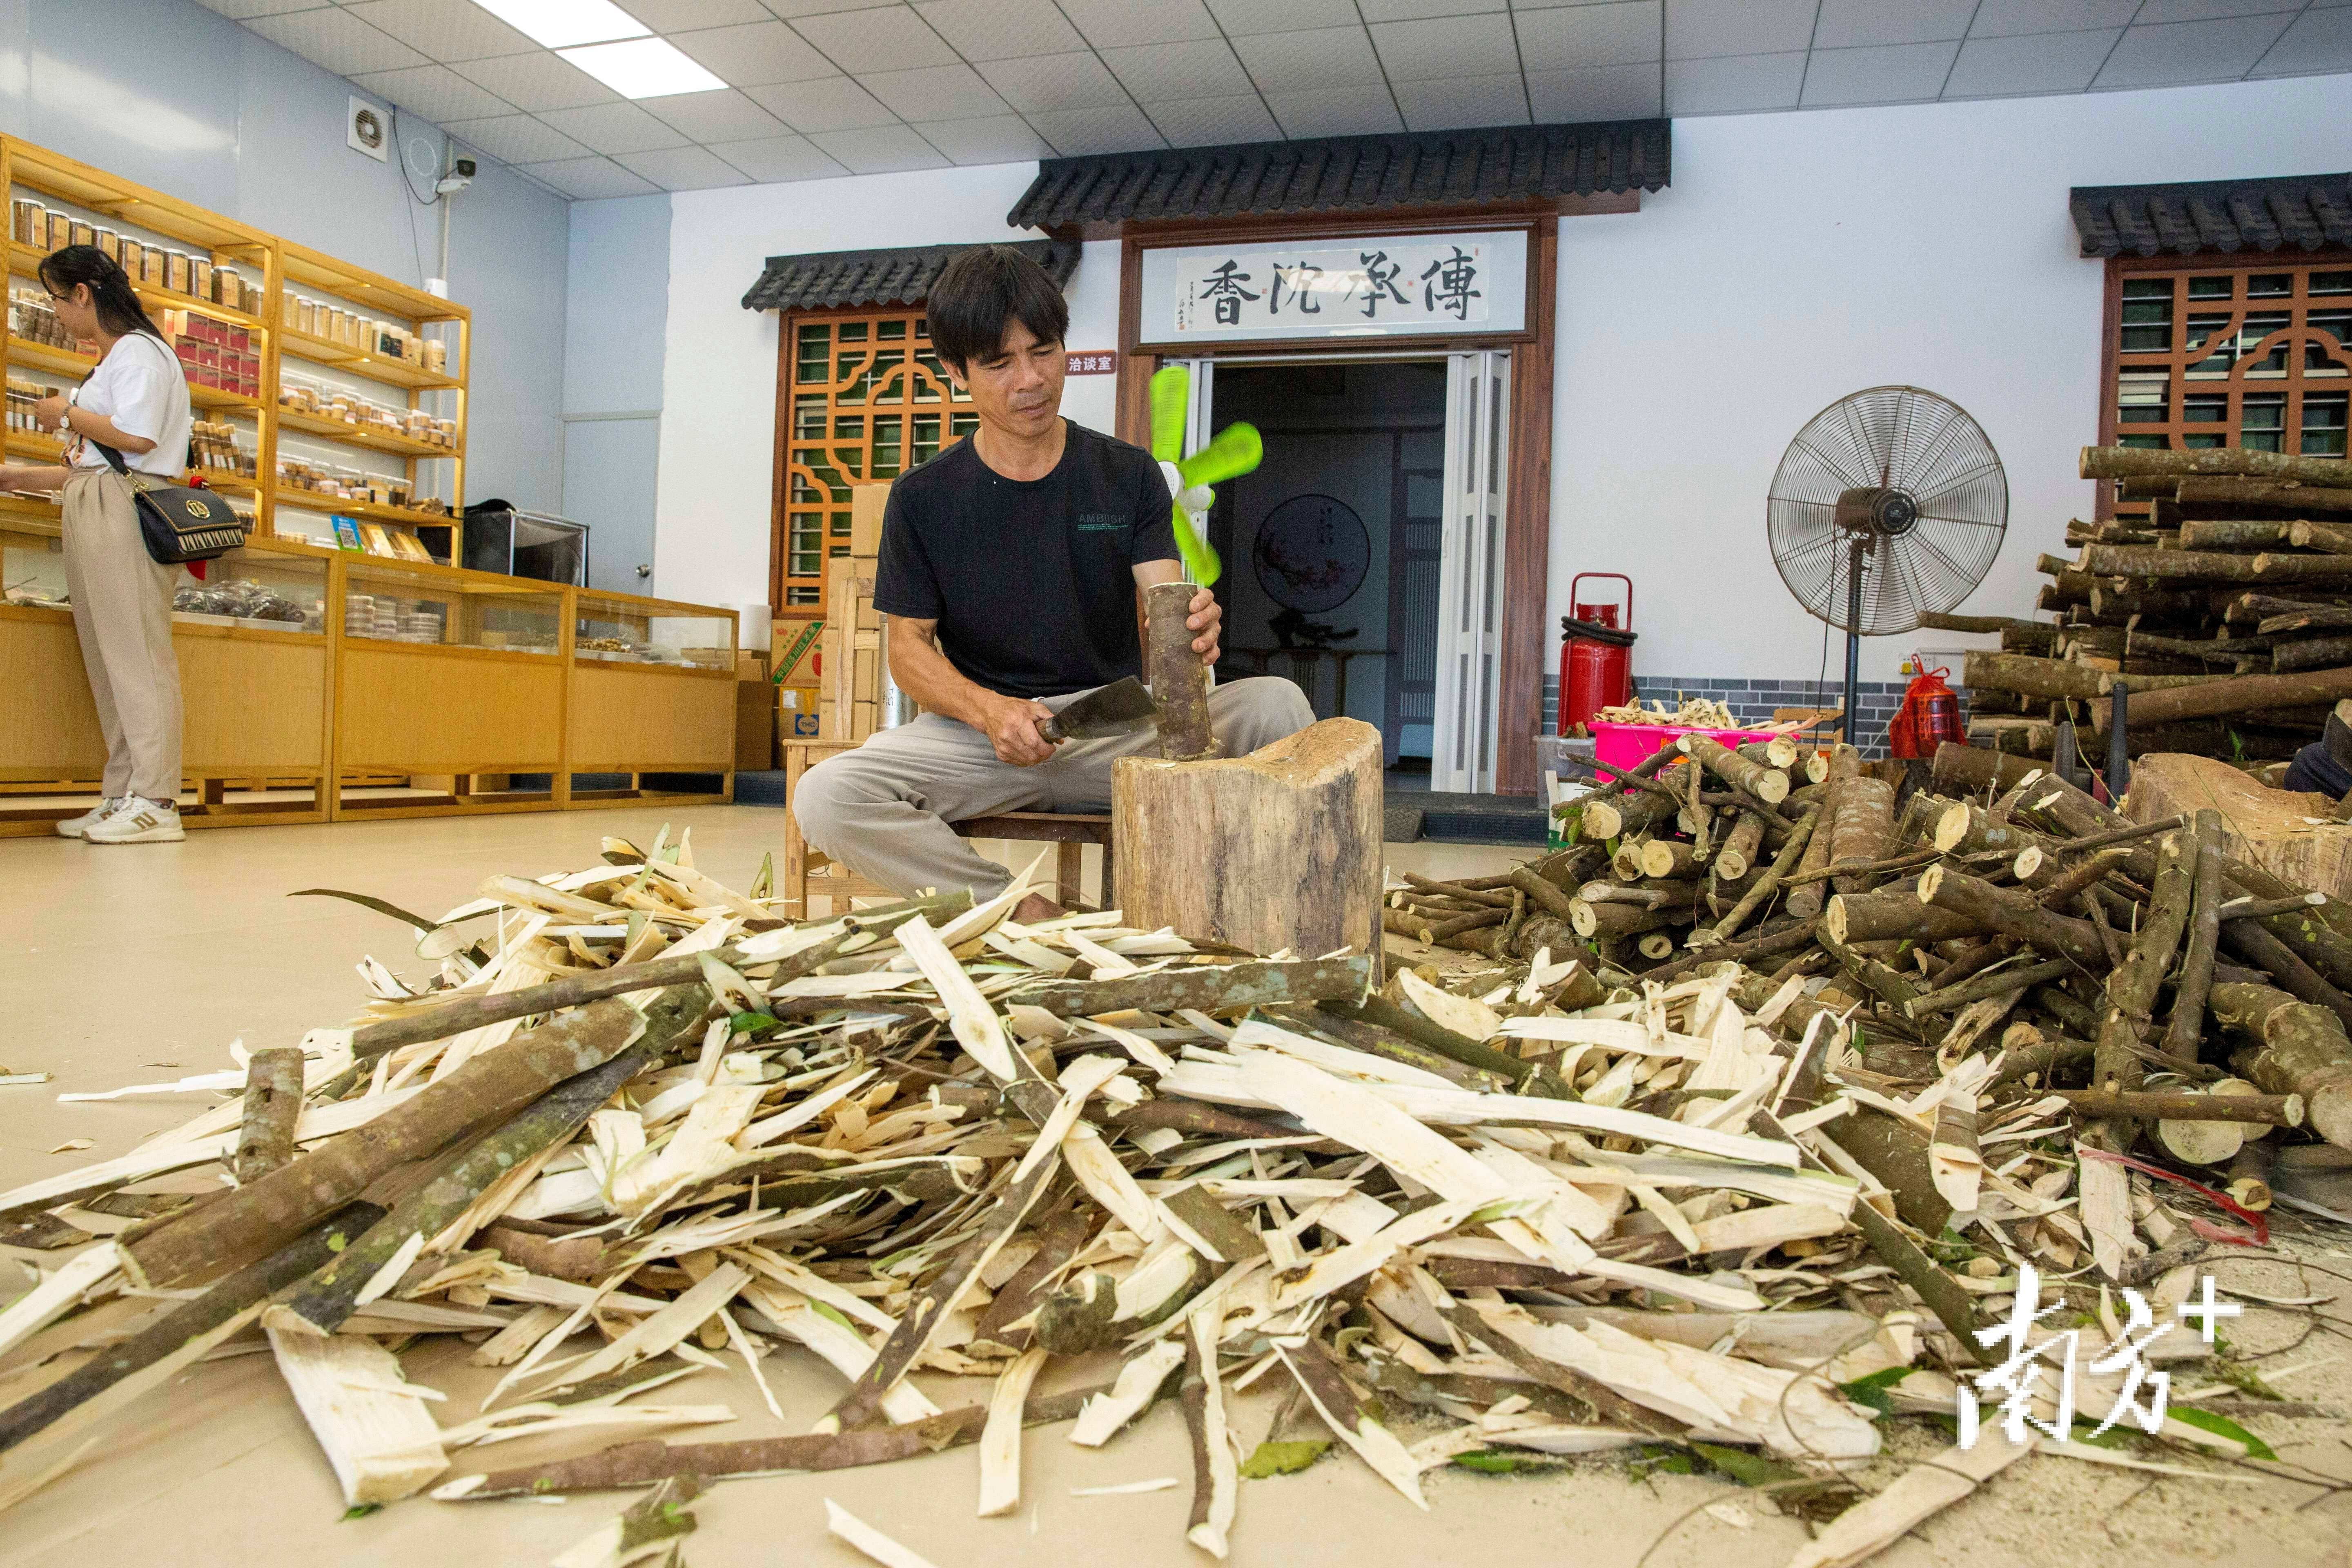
(1630, 745)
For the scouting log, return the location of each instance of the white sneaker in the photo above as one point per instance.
(136, 821)
(75, 826)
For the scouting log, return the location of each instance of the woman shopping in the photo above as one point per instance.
(135, 403)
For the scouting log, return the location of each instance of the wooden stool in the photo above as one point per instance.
(1069, 832)
(807, 874)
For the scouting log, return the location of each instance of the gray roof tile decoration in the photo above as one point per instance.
(904, 277)
(1433, 168)
(2306, 211)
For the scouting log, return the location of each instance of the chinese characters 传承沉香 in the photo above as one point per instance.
(1223, 287)
(1446, 284)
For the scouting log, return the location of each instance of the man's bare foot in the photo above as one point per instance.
(1035, 907)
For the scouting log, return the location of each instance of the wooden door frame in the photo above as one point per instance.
(1527, 537)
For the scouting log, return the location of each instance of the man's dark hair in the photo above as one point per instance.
(983, 291)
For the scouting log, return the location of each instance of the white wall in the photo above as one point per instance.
(718, 437)
(1801, 257)
(616, 311)
(177, 97)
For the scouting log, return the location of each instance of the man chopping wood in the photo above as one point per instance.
(1012, 569)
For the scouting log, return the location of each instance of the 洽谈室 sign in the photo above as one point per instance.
(1442, 285)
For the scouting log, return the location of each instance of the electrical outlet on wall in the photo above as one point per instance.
(368, 129)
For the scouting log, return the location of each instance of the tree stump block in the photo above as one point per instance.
(2286, 833)
(1277, 849)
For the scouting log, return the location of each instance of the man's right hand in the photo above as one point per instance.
(1010, 724)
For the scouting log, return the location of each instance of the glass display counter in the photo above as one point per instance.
(32, 558)
(256, 588)
(652, 693)
(438, 606)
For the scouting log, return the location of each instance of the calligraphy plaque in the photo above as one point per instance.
(1422, 285)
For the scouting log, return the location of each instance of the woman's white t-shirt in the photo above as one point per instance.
(138, 386)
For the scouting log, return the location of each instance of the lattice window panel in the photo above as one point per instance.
(868, 400)
(2232, 352)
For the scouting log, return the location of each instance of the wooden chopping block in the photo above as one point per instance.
(2287, 834)
(1277, 849)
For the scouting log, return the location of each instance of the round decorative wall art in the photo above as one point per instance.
(1311, 553)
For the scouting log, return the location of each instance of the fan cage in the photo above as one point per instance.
(1901, 438)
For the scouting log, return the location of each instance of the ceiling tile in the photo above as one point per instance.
(241, 9)
(1205, 67)
(1858, 24)
(684, 169)
(1001, 29)
(775, 160)
(836, 103)
(1077, 131)
(1734, 84)
(2319, 41)
(435, 91)
(2191, 52)
(591, 178)
(721, 116)
(890, 38)
(792, 10)
(1414, 10)
(614, 128)
(1299, 62)
(537, 81)
(1463, 101)
(1887, 73)
(1334, 111)
(2038, 62)
(444, 30)
(516, 139)
(1447, 46)
(880, 149)
(1240, 18)
(336, 40)
(1050, 82)
(935, 92)
(2157, 11)
(2004, 18)
(994, 139)
(1121, 24)
(1213, 122)
(1596, 92)
(1703, 29)
(754, 54)
(1569, 37)
(693, 15)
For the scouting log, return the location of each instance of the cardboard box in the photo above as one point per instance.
(755, 728)
(752, 666)
(792, 649)
(867, 503)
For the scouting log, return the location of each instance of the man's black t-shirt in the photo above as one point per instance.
(1031, 581)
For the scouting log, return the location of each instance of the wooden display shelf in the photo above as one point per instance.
(359, 362)
(30, 514)
(407, 516)
(47, 172)
(221, 479)
(26, 260)
(310, 268)
(214, 397)
(362, 436)
(30, 443)
(25, 351)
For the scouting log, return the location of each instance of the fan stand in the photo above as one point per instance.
(1857, 553)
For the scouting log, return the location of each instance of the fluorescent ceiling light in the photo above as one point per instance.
(558, 24)
(643, 68)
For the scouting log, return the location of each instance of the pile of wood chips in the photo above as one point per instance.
(634, 1125)
(2227, 612)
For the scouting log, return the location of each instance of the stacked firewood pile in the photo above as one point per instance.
(640, 1127)
(2226, 613)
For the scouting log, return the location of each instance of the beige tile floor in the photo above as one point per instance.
(140, 963)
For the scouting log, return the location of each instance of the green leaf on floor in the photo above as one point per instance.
(2222, 1427)
(360, 1510)
(754, 1024)
(1282, 1459)
(1870, 1391)
(1749, 1470)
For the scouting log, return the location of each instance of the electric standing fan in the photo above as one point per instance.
(1889, 505)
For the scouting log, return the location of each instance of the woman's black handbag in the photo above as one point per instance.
(179, 523)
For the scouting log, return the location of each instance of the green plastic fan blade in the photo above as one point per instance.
(1236, 451)
(1172, 397)
(1200, 562)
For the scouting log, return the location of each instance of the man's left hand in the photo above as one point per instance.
(1205, 617)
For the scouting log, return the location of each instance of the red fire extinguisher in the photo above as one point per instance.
(1596, 656)
(1930, 714)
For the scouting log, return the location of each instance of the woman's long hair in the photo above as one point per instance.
(119, 309)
